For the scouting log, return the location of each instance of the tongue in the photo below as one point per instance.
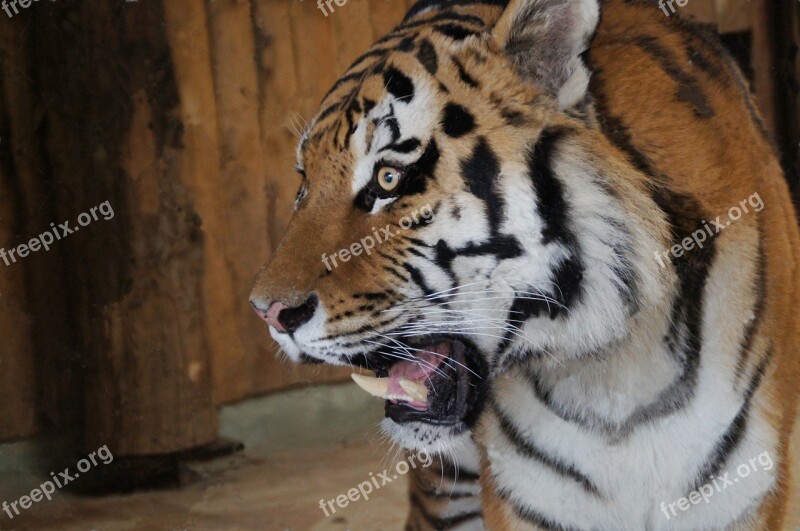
(406, 381)
(419, 370)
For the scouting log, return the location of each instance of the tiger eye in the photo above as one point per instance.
(388, 178)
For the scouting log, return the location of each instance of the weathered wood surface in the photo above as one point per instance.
(17, 378)
(122, 131)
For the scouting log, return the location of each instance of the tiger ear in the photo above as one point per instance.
(545, 40)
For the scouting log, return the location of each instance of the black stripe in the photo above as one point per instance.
(406, 146)
(389, 257)
(432, 492)
(455, 32)
(353, 109)
(426, 55)
(746, 344)
(416, 241)
(568, 279)
(463, 74)
(688, 89)
(550, 201)
(330, 109)
(422, 5)
(457, 121)
(526, 448)
(534, 517)
(438, 522)
(555, 212)
(480, 172)
(406, 27)
(589, 421)
(365, 199)
(625, 276)
(374, 296)
(371, 327)
(683, 211)
(513, 117)
(715, 71)
(405, 45)
(736, 431)
(398, 84)
(373, 52)
(501, 246)
(392, 123)
(396, 273)
(418, 279)
(351, 76)
(368, 105)
(707, 35)
(446, 469)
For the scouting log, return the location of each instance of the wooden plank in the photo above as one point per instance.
(704, 11)
(188, 37)
(734, 15)
(728, 15)
(17, 376)
(166, 404)
(123, 132)
(240, 191)
(315, 57)
(385, 15)
(279, 100)
(353, 34)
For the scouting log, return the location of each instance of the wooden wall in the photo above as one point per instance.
(17, 391)
(184, 115)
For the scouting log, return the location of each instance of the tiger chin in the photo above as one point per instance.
(597, 320)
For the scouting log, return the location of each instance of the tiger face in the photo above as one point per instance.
(460, 215)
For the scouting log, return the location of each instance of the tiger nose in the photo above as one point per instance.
(283, 318)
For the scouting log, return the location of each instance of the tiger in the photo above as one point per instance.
(596, 326)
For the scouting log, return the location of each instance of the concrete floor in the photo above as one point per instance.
(301, 446)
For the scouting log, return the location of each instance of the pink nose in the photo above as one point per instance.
(271, 316)
(284, 318)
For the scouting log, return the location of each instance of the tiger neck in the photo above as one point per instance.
(619, 387)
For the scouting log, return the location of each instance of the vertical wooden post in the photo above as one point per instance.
(241, 195)
(115, 129)
(17, 384)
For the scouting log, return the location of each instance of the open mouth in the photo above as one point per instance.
(441, 382)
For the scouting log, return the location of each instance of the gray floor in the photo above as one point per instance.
(301, 446)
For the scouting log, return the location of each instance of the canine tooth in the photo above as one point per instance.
(415, 390)
(375, 386)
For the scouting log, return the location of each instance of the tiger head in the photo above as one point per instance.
(460, 216)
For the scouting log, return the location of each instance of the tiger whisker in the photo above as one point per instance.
(443, 356)
(410, 357)
(508, 283)
(517, 294)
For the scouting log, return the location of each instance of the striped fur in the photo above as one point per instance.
(557, 174)
(446, 495)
